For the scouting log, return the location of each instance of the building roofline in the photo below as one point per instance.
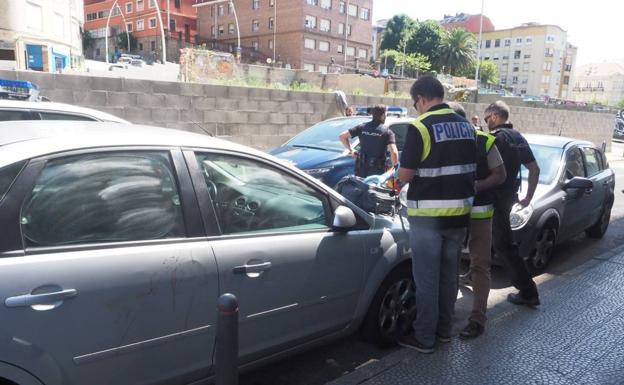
(527, 26)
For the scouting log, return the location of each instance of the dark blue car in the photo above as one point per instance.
(318, 150)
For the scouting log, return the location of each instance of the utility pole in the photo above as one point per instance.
(274, 29)
(346, 29)
(479, 51)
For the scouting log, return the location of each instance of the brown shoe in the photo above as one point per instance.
(472, 330)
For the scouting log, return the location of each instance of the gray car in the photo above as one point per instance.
(575, 194)
(117, 241)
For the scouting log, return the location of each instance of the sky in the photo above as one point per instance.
(596, 27)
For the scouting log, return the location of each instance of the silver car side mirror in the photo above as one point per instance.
(344, 218)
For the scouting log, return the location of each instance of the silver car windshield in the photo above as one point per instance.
(324, 135)
(548, 159)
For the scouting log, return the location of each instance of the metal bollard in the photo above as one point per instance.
(226, 360)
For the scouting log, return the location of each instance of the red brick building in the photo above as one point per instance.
(470, 23)
(308, 34)
(141, 19)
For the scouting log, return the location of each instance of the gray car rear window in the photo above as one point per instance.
(7, 177)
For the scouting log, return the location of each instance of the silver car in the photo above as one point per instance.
(117, 241)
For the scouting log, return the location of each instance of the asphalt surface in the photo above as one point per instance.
(330, 362)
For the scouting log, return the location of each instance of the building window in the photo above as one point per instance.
(271, 23)
(152, 3)
(140, 46)
(362, 53)
(514, 80)
(495, 56)
(271, 3)
(231, 29)
(507, 42)
(488, 43)
(566, 80)
(349, 29)
(343, 6)
(309, 43)
(213, 30)
(341, 30)
(505, 57)
(340, 48)
(176, 3)
(97, 52)
(152, 23)
(153, 45)
(549, 52)
(312, 2)
(526, 66)
(128, 7)
(116, 11)
(326, 4)
(325, 25)
(568, 67)
(350, 51)
(551, 38)
(310, 22)
(516, 67)
(221, 10)
(172, 25)
(255, 4)
(324, 46)
(353, 10)
(528, 40)
(527, 56)
(140, 5)
(129, 27)
(140, 25)
(35, 17)
(271, 44)
(364, 13)
(518, 40)
(221, 30)
(547, 66)
(308, 67)
(255, 45)
(59, 25)
(517, 54)
(255, 26)
(322, 69)
(496, 43)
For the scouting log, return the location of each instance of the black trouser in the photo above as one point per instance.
(367, 167)
(507, 250)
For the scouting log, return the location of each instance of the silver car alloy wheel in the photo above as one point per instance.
(544, 247)
(398, 308)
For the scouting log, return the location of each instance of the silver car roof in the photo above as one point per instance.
(20, 140)
(59, 107)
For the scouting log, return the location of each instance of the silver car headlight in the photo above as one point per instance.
(316, 172)
(520, 216)
(403, 195)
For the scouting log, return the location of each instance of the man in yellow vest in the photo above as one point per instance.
(439, 161)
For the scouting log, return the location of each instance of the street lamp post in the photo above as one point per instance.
(274, 29)
(479, 51)
(346, 29)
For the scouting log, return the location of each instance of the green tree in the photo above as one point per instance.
(426, 39)
(398, 27)
(456, 51)
(488, 72)
(87, 40)
(122, 41)
(414, 63)
(621, 104)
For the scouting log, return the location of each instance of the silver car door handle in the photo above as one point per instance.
(246, 269)
(39, 299)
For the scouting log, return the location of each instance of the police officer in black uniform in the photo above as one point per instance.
(375, 140)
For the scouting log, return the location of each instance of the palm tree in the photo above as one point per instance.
(456, 50)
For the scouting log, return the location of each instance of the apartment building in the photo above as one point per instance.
(302, 34)
(599, 83)
(471, 23)
(141, 19)
(532, 59)
(41, 35)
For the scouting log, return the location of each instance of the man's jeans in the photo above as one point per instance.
(480, 246)
(435, 265)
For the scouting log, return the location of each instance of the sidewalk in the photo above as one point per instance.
(575, 337)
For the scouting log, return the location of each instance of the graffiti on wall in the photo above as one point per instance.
(196, 65)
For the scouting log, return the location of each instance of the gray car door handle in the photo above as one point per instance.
(39, 299)
(246, 269)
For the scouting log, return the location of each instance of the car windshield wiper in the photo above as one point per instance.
(312, 147)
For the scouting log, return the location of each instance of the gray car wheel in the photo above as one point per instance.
(393, 309)
(544, 248)
(598, 229)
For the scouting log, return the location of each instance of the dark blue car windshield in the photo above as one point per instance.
(548, 159)
(324, 135)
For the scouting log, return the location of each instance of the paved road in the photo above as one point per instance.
(327, 363)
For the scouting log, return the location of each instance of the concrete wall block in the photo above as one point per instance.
(238, 92)
(259, 94)
(305, 108)
(90, 98)
(192, 89)
(60, 95)
(138, 115)
(191, 115)
(203, 103)
(72, 82)
(105, 84)
(299, 96)
(288, 130)
(269, 106)
(227, 104)
(245, 140)
(278, 118)
(165, 115)
(137, 85)
(149, 100)
(177, 101)
(259, 118)
(213, 116)
(279, 95)
(235, 117)
(249, 105)
(43, 80)
(170, 88)
(228, 129)
(360, 100)
(288, 107)
(121, 99)
(215, 91)
(296, 119)
(248, 129)
(318, 97)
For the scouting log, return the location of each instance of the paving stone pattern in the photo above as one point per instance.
(575, 337)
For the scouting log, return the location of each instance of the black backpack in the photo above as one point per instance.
(369, 198)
